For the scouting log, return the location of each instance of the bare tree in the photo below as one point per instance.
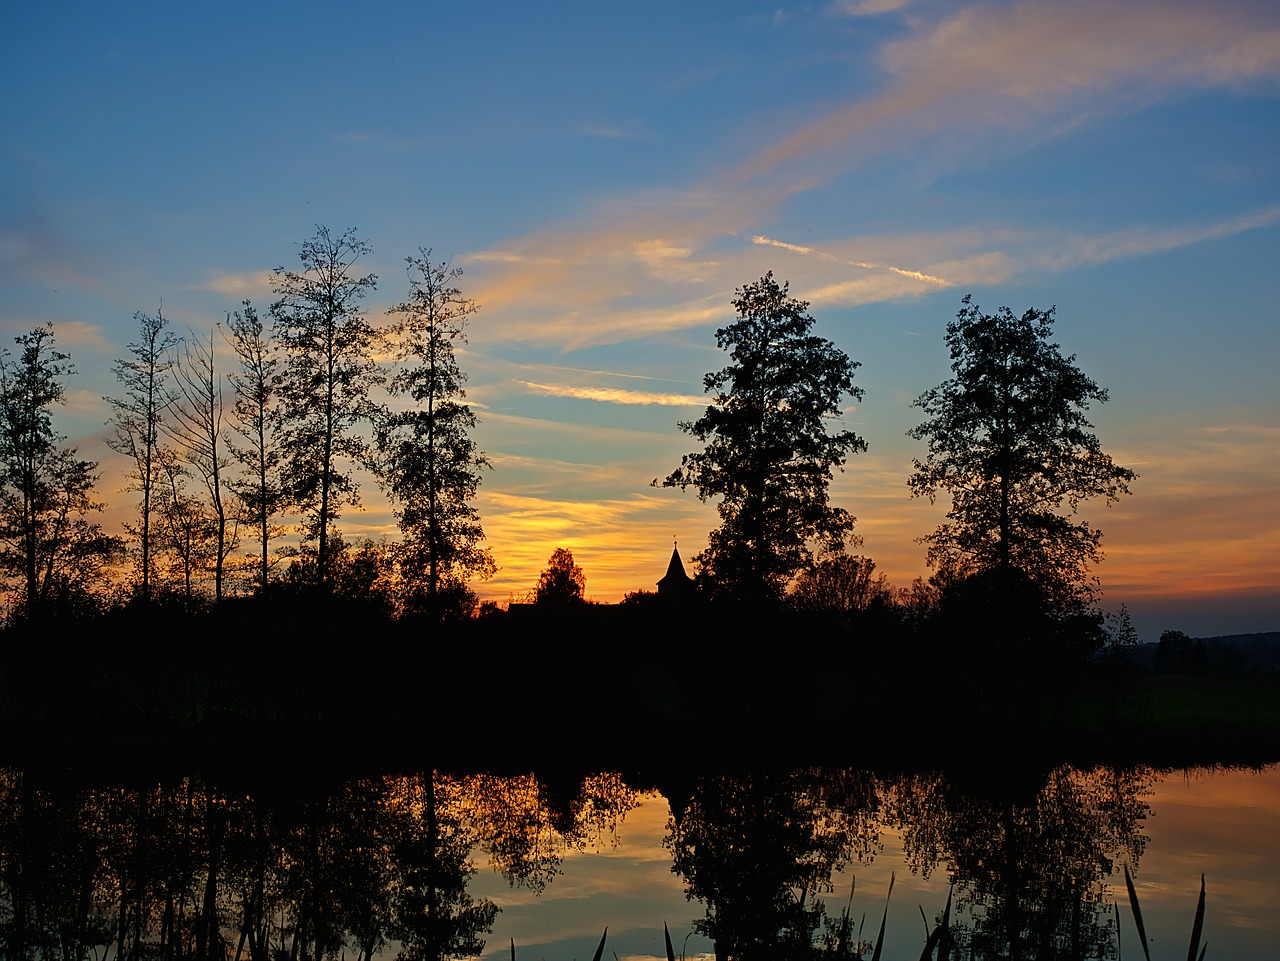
(136, 419)
(256, 386)
(195, 424)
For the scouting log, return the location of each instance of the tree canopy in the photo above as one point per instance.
(49, 550)
(1010, 444)
(329, 368)
(427, 459)
(562, 582)
(767, 451)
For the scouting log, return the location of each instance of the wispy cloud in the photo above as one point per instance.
(667, 260)
(611, 539)
(608, 132)
(77, 335)
(866, 8)
(1013, 64)
(243, 285)
(614, 395)
(386, 141)
(783, 245)
(865, 265)
(1075, 250)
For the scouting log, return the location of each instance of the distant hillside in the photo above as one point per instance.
(1229, 653)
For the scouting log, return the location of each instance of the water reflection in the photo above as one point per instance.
(758, 851)
(1029, 857)
(188, 871)
(384, 867)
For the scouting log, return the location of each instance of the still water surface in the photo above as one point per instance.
(1224, 823)
(762, 866)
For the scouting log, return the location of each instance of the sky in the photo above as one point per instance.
(606, 175)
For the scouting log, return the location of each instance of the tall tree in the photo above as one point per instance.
(47, 544)
(256, 385)
(329, 369)
(1011, 446)
(137, 418)
(767, 451)
(195, 424)
(427, 459)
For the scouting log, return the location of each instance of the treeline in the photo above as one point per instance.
(227, 463)
(241, 475)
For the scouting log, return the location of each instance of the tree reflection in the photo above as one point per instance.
(1030, 862)
(187, 872)
(760, 851)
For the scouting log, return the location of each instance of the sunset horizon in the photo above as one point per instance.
(607, 179)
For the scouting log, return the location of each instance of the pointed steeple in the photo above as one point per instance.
(676, 584)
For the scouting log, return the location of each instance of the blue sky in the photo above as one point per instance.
(607, 175)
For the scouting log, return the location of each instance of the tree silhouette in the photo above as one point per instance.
(427, 459)
(329, 369)
(256, 385)
(195, 424)
(562, 582)
(1009, 443)
(137, 419)
(767, 452)
(840, 583)
(47, 544)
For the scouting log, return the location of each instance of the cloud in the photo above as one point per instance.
(1074, 250)
(770, 242)
(1034, 69)
(607, 132)
(75, 335)
(1203, 516)
(866, 8)
(611, 539)
(239, 285)
(34, 248)
(614, 395)
(386, 141)
(1007, 65)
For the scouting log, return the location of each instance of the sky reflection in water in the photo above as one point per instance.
(1224, 823)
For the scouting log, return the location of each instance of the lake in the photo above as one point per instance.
(765, 863)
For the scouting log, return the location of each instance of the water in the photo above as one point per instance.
(1222, 822)
(1033, 862)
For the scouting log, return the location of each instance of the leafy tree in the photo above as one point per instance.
(562, 582)
(767, 451)
(1010, 445)
(427, 459)
(137, 419)
(329, 369)
(256, 385)
(359, 574)
(47, 544)
(842, 583)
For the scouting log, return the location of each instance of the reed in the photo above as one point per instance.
(1195, 951)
